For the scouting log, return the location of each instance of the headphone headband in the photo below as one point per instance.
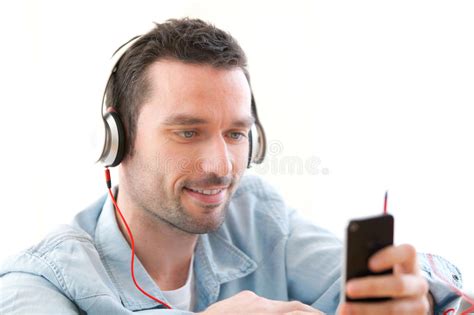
(115, 141)
(116, 56)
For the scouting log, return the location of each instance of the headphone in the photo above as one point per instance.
(114, 138)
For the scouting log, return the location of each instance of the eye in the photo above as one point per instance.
(187, 134)
(237, 136)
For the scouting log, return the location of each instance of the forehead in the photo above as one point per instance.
(201, 90)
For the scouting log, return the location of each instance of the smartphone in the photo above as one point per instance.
(363, 238)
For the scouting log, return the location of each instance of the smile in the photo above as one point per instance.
(206, 191)
(206, 196)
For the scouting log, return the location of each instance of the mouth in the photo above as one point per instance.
(208, 195)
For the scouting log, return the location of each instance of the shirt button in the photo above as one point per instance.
(455, 277)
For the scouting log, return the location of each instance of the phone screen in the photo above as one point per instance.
(364, 238)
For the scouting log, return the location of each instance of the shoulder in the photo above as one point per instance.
(64, 235)
(78, 234)
(68, 250)
(61, 249)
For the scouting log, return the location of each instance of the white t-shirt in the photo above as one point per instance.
(183, 298)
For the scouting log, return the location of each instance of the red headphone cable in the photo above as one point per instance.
(132, 242)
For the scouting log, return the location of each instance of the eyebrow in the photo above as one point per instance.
(189, 120)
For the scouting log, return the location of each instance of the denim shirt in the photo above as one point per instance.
(263, 246)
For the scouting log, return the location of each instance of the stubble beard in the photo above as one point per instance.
(178, 217)
(167, 209)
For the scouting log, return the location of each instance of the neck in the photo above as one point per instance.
(164, 251)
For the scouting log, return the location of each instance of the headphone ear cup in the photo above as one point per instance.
(114, 142)
(249, 160)
(254, 146)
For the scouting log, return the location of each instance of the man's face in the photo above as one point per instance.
(191, 145)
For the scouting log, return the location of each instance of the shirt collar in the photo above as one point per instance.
(216, 261)
(115, 253)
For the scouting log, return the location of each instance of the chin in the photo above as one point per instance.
(202, 227)
(209, 220)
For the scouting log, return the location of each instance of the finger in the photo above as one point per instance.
(402, 285)
(403, 306)
(403, 255)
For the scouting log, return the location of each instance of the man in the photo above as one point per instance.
(206, 238)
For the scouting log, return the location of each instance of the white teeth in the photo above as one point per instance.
(206, 191)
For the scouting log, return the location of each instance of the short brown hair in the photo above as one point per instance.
(188, 40)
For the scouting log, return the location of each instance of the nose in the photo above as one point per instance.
(215, 158)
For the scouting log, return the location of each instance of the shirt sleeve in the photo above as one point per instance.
(313, 264)
(444, 279)
(24, 293)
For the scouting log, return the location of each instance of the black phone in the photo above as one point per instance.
(365, 237)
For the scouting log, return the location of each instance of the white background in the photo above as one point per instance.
(375, 94)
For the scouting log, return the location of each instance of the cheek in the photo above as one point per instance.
(240, 155)
(176, 161)
(146, 144)
(162, 155)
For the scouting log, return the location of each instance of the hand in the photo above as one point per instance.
(406, 285)
(247, 302)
